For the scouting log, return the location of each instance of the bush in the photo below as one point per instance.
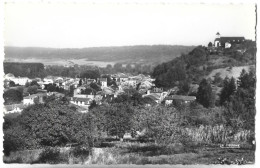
(25, 156)
(143, 161)
(174, 148)
(52, 156)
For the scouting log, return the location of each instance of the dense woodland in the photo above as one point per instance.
(30, 70)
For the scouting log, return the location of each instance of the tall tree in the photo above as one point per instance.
(205, 94)
(229, 87)
(240, 111)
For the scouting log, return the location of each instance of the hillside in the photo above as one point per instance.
(124, 54)
(202, 63)
(228, 72)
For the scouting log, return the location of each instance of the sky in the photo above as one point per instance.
(79, 25)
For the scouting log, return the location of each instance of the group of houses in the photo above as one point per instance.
(84, 95)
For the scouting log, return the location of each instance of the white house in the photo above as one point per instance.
(14, 108)
(132, 82)
(185, 99)
(103, 82)
(29, 100)
(47, 81)
(82, 102)
(9, 76)
(21, 80)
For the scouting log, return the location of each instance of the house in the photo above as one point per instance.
(89, 81)
(56, 94)
(120, 77)
(14, 108)
(82, 102)
(154, 96)
(17, 80)
(157, 90)
(185, 99)
(21, 80)
(103, 82)
(47, 81)
(132, 82)
(31, 99)
(227, 42)
(9, 76)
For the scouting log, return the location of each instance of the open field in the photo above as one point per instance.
(229, 72)
(62, 62)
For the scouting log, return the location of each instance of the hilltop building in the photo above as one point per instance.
(227, 42)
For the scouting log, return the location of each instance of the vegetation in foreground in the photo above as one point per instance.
(136, 153)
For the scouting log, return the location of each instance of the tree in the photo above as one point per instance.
(240, 110)
(71, 91)
(92, 74)
(205, 95)
(11, 84)
(114, 119)
(34, 82)
(118, 67)
(128, 68)
(184, 88)
(27, 84)
(12, 96)
(80, 82)
(95, 87)
(228, 89)
(32, 89)
(210, 44)
(119, 119)
(93, 104)
(55, 124)
(51, 88)
(160, 123)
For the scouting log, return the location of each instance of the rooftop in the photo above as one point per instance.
(180, 97)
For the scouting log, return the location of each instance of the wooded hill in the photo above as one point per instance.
(200, 62)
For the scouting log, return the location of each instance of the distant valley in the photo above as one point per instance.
(100, 56)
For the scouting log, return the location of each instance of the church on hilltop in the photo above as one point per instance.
(227, 42)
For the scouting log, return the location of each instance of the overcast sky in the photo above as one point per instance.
(93, 25)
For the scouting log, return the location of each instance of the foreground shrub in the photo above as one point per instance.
(79, 154)
(26, 156)
(217, 134)
(52, 156)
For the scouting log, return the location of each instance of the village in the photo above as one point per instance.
(84, 94)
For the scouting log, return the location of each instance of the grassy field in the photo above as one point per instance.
(142, 153)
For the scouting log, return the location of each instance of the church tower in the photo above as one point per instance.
(217, 40)
(218, 35)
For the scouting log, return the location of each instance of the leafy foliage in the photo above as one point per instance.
(52, 124)
(181, 68)
(228, 89)
(30, 70)
(12, 96)
(161, 123)
(240, 110)
(114, 119)
(205, 95)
